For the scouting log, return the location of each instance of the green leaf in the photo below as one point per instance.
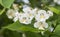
(55, 10)
(6, 3)
(20, 27)
(31, 34)
(54, 36)
(9, 33)
(57, 6)
(57, 30)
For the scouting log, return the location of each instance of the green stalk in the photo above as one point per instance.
(2, 11)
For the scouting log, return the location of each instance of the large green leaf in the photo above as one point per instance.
(31, 34)
(6, 3)
(54, 36)
(9, 33)
(55, 10)
(20, 27)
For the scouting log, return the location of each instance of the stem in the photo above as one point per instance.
(2, 11)
(53, 30)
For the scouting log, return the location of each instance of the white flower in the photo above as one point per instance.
(35, 11)
(42, 16)
(15, 6)
(26, 1)
(15, 19)
(17, 15)
(27, 9)
(41, 25)
(10, 13)
(57, 1)
(50, 13)
(30, 15)
(24, 19)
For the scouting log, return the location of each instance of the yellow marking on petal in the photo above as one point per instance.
(24, 20)
(30, 14)
(42, 16)
(41, 28)
(41, 24)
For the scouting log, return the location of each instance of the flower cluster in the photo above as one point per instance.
(41, 18)
(28, 14)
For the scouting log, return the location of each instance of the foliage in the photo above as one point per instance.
(9, 28)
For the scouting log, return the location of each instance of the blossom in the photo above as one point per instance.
(17, 15)
(26, 1)
(42, 16)
(50, 13)
(26, 9)
(16, 6)
(30, 16)
(35, 11)
(24, 19)
(10, 13)
(57, 1)
(41, 25)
